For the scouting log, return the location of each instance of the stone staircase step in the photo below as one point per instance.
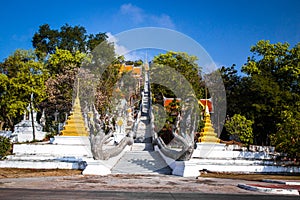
(142, 147)
(143, 134)
(43, 161)
(141, 162)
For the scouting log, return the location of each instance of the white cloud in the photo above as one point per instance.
(139, 17)
(121, 50)
(135, 13)
(163, 21)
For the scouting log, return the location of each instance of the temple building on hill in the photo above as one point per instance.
(136, 71)
(202, 102)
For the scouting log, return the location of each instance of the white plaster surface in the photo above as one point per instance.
(53, 149)
(225, 163)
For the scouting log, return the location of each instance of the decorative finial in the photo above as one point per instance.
(206, 106)
(77, 95)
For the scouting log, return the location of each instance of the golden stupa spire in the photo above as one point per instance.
(75, 124)
(208, 132)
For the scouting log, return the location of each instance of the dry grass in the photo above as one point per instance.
(21, 173)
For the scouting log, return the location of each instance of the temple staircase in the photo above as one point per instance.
(142, 159)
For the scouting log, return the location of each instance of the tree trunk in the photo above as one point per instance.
(32, 122)
(10, 124)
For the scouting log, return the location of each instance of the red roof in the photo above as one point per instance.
(126, 68)
(209, 103)
(167, 101)
(202, 102)
(136, 71)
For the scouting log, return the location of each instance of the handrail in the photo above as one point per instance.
(186, 150)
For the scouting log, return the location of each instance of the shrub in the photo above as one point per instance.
(5, 146)
(241, 128)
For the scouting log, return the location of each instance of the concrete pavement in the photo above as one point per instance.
(24, 194)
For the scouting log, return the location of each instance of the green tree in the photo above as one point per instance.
(73, 38)
(63, 67)
(63, 60)
(176, 75)
(135, 63)
(241, 128)
(184, 64)
(95, 40)
(45, 41)
(66, 52)
(59, 89)
(104, 67)
(5, 146)
(287, 137)
(216, 91)
(70, 38)
(234, 87)
(172, 111)
(273, 76)
(25, 76)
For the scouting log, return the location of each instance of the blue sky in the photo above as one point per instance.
(226, 29)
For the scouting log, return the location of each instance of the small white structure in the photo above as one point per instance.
(7, 134)
(65, 152)
(24, 130)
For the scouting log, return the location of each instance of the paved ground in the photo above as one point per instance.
(132, 183)
(124, 186)
(129, 187)
(25, 194)
(155, 183)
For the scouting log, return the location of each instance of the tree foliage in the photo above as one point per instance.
(274, 73)
(23, 76)
(184, 64)
(5, 146)
(49, 72)
(63, 60)
(105, 68)
(63, 67)
(65, 51)
(287, 136)
(268, 94)
(70, 38)
(234, 87)
(176, 75)
(240, 128)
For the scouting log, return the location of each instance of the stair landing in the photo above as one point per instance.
(141, 162)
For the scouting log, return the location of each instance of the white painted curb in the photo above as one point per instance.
(269, 190)
(282, 182)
